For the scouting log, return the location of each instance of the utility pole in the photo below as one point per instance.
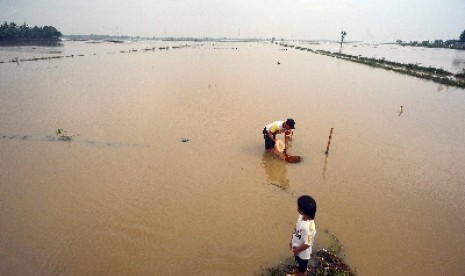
(343, 33)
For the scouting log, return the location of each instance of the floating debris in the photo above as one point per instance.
(18, 60)
(63, 135)
(278, 185)
(292, 158)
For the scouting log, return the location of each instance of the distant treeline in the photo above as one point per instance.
(452, 44)
(13, 33)
(439, 43)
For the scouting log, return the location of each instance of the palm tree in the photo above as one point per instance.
(462, 36)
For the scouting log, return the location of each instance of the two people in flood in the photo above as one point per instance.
(304, 232)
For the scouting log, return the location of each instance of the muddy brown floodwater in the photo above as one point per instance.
(129, 197)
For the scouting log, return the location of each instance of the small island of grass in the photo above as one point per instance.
(324, 262)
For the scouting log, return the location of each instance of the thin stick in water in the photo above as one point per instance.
(329, 140)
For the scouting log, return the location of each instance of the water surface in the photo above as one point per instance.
(452, 60)
(129, 197)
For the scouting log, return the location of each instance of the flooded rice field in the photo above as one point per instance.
(451, 60)
(167, 173)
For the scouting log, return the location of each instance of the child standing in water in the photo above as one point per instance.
(304, 233)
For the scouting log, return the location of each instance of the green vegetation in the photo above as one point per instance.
(324, 262)
(437, 75)
(461, 75)
(14, 33)
(438, 43)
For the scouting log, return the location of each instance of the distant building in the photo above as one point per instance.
(425, 43)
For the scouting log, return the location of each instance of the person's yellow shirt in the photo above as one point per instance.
(274, 128)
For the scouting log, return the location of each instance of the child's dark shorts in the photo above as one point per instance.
(269, 143)
(301, 264)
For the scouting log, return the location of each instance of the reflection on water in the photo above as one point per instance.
(325, 166)
(275, 170)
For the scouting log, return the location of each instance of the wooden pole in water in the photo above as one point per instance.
(329, 140)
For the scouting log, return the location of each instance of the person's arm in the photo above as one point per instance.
(304, 245)
(300, 248)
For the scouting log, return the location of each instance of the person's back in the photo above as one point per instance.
(275, 127)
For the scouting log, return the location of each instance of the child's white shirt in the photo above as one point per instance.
(304, 233)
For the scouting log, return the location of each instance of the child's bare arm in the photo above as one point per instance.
(300, 248)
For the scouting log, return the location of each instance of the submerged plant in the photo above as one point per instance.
(63, 135)
(324, 262)
(461, 75)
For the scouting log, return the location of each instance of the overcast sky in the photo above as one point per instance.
(363, 20)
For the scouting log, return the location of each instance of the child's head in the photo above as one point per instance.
(307, 205)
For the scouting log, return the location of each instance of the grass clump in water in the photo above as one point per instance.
(324, 262)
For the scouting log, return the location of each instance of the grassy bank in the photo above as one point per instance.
(437, 75)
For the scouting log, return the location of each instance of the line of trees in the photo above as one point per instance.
(452, 44)
(13, 32)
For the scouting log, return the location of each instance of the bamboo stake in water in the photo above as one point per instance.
(329, 140)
